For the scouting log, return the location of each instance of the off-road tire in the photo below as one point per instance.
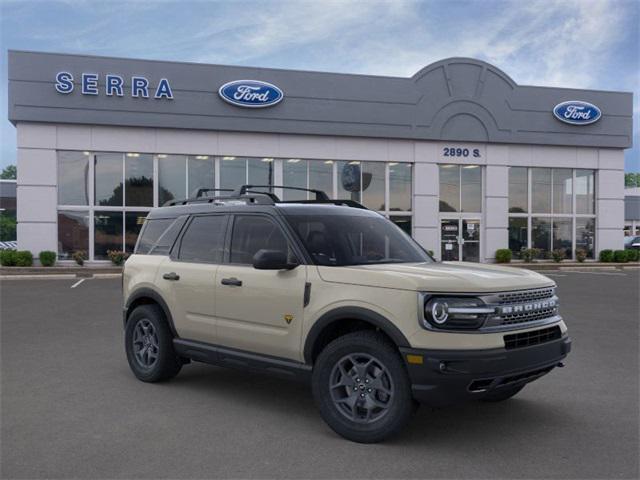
(502, 394)
(387, 372)
(159, 343)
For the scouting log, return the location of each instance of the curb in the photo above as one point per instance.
(59, 276)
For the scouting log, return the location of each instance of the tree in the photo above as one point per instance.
(9, 172)
(631, 180)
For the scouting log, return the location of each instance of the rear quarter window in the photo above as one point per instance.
(158, 236)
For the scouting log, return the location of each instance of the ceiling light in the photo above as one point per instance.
(228, 158)
(354, 163)
(329, 162)
(293, 160)
(393, 164)
(267, 160)
(470, 166)
(133, 155)
(162, 155)
(85, 153)
(202, 157)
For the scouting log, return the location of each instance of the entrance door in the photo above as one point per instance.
(460, 239)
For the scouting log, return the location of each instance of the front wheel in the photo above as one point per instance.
(149, 345)
(361, 387)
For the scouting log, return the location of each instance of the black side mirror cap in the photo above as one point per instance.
(272, 260)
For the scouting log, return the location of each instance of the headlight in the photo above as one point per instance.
(455, 313)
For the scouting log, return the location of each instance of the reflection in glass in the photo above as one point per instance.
(108, 179)
(541, 190)
(349, 180)
(294, 174)
(73, 233)
(518, 190)
(260, 171)
(133, 222)
(471, 188)
(373, 185)
(107, 234)
(138, 180)
(562, 190)
(449, 188)
(73, 178)
(201, 173)
(403, 222)
(585, 197)
(321, 176)
(562, 231)
(449, 234)
(400, 186)
(171, 177)
(517, 235)
(541, 235)
(585, 235)
(233, 172)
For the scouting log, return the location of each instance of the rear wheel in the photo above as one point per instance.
(502, 394)
(149, 345)
(361, 387)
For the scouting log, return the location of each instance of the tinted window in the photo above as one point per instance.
(204, 239)
(338, 240)
(252, 233)
(151, 233)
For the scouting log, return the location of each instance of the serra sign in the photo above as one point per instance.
(113, 85)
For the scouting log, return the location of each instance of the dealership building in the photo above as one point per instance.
(458, 155)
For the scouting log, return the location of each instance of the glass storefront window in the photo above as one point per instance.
(373, 193)
(138, 169)
(233, 172)
(585, 235)
(471, 192)
(517, 235)
(171, 178)
(562, 190)
(585, 192)
(107, 233)
(400, 177)
(449, 188)
(73, 178)
(108, 179)
(202, 173)
(73, 233)
(562, 235)
(260, 171)
(294, 174)
(541, 235)
(133, 222)
(541, 190)
(321, 176)
(518, 190)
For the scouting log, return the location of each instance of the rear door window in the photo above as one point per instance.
(203, 240)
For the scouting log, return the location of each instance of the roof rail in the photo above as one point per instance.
(250, 198)
(202, 192)
(320, 195)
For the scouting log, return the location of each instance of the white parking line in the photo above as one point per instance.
(600, 273)
(78, 283)
(554, 274)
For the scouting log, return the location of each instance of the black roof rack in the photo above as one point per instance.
(248, 195)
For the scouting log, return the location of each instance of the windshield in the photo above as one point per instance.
(342, 240)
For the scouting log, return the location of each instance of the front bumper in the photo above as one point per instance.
(446, 377)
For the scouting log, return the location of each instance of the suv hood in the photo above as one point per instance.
(460, 277)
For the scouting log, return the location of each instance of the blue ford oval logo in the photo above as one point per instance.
(250, 93)
(576, 112)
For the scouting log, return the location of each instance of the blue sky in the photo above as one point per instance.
(569, 43)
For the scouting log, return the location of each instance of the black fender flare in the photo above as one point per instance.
(352, 313)
(157, 298)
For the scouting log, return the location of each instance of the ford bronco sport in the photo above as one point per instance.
(330, 292)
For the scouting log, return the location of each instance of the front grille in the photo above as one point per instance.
(535, 337)
(526, 296)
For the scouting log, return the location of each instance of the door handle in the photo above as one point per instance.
(234, 282)
(171, 276)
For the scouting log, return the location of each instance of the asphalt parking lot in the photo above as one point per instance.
(71, 408)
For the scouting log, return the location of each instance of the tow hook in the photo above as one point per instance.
(560, 365)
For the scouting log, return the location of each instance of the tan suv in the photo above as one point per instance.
(329, 292)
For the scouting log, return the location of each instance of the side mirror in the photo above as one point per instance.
(272, 260)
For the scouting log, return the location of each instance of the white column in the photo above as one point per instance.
(496, 210)
(610, 200)
(426, 192)
(37, 188)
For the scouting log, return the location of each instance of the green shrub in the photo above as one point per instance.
(581, 254)
(620, 256)
(558, 255)
(606, 256)
(633, 255)
(117, 257)
(79, 256)
(503, 255)
(47, 258)
(430, 252)
(24, 258)
(527, 254)
(7, 258)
